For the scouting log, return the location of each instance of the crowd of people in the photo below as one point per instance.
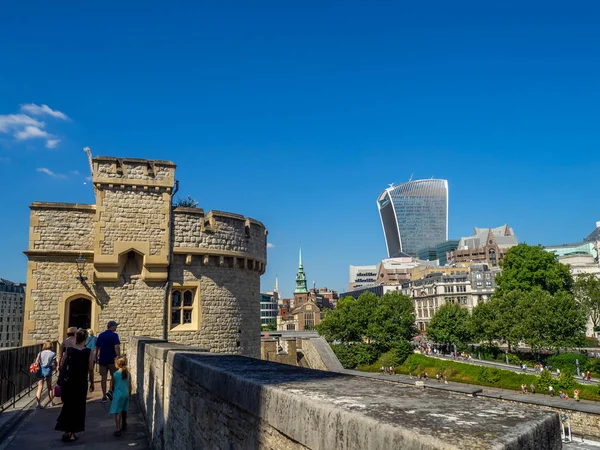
(79, 354)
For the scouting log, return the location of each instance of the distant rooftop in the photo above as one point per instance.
(503, 236)
(594, 235)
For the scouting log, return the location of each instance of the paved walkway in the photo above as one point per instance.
(37, 431)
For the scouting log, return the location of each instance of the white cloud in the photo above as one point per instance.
(38, 110)
(23, 126)
(49, 172)
(31, 132)
(4, 159)
(52, 143)
(269, 245)
(11, 122)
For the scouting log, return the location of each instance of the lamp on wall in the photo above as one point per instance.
(80, 261)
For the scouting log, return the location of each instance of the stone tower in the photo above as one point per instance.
(164, 272)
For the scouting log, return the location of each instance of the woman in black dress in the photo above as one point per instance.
(76, 364)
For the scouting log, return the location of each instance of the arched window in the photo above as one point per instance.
(492, 258)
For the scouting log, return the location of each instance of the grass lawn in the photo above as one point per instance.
(480, 375)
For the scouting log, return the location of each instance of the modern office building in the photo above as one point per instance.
(414, 215)
(439, 252)
(12, 304)
(362, 276)
(268, 309)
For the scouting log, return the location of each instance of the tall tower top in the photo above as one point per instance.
(300, 277)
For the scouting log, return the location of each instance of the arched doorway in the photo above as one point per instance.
(80, 313)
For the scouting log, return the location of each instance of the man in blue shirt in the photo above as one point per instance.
(108, 347)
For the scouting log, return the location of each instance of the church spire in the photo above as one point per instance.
(300, 277)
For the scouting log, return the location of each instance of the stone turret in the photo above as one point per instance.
(164, 272)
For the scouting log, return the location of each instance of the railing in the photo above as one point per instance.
(15, 379)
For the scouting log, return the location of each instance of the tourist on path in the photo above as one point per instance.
(91, 340)
(108, 347)
(121, 387)
(551, 390)
(76, 365)
(47, 362)
(589, 376)
(69, 341)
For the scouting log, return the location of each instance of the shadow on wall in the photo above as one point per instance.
(187, 404)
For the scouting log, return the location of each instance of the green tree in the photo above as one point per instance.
(272, 326)
(587, 293)
(525, 267)
(544, 380)
(505, 316)
(188, 202)
(450, 324)
(482, 321)
(362, 329)
(392, 321)
(551, 321)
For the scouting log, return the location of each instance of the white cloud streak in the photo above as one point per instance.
(12, 122)
(31, 132)
(37, 110)
(269, 245)
(50, 173)
(24, 127)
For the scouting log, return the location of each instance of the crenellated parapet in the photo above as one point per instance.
(220, 239)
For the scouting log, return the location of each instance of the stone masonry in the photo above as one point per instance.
(196, 400)
(139, 251)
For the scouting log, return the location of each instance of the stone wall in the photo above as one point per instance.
(312, 355)
(197, 400)
(61, 226)
(229, 319)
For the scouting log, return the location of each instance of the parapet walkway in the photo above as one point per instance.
(37, 430)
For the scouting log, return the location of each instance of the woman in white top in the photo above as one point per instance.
(47, 362)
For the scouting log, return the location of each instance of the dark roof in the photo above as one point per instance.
(594, 235)
(400, 255)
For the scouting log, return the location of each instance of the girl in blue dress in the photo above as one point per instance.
(121, 388)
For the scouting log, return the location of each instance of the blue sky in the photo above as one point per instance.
(300, 113)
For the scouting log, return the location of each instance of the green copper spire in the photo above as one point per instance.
(300, 278)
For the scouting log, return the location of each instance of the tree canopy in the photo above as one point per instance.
(450, 324)
(587, 293)
(384, 321)
(363, 329)
(525, 267)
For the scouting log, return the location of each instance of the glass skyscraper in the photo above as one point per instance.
(414, 215)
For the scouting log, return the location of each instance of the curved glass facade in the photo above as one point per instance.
(414, 215)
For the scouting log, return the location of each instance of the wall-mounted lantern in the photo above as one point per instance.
(80, 261)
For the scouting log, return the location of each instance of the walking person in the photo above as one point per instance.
(551, 390)
(121, 387)
(76, 366)
(108, 347)
(69, 341)
(589, 376)
(47, 362)
(532, 386)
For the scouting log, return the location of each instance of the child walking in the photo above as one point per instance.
(121, 387)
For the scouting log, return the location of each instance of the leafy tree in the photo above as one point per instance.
(392, 321)
(362, 329)
(587, 293)
(504, 317)
(450, 324)
(551, 321)
(525, 267)
(482, 318)
(544, 380)
(188, 202)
